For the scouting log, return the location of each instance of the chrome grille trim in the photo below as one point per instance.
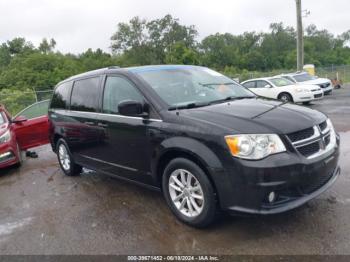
(311, 139)
(319, 136)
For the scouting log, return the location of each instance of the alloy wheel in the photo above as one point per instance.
(186, 192)
(64, 157)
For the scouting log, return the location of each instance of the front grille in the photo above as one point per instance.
(301, 135)
(318, 95)
(327, 140)
(310, 142)
(323, 125)
(310, 149)
(325, 85)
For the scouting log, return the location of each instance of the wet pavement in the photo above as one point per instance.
(44, 212)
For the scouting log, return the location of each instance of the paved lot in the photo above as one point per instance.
(44, 212)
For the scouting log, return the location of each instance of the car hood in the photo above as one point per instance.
(316, 81)
(256, 115)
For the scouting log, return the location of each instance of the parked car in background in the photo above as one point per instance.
(202, 139)
(284, 89)
(28, 129)
(305, 78)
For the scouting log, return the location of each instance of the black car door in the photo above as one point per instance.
(81, 130)
(126, 142)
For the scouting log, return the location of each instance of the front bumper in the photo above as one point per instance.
(295, 180)
(327, 90)
(307, 97)
(8, 155)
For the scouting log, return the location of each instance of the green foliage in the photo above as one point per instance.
(16, 100)
(178, 53)
(143, 42)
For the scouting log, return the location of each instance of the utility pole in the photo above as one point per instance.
(300, 37)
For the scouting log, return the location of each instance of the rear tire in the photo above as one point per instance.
(189, 193)
(285, 97)
(65, 159)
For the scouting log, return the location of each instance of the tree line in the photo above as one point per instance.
(24, 67)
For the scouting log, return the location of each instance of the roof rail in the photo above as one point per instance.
(113, 67)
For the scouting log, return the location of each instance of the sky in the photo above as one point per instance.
(77, 25)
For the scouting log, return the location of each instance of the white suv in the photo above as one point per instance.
(284, 89)
(305, 78)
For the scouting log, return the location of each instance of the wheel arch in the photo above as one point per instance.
(190, 149)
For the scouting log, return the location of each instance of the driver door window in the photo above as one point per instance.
(118, 89)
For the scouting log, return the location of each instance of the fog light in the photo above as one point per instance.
(272, 197)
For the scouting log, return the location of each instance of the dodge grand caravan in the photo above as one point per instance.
(206, 142)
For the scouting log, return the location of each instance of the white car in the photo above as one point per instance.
(305, 78)
(284, 89)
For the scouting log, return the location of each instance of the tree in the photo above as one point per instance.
(178, 53)
(46, 47)
(148, 42)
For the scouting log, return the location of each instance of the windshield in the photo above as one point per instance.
(303, 77)
(281, 81)
(192, 85)
(2, 119)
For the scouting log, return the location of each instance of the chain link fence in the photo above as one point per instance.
(17, 100)
(341, 73)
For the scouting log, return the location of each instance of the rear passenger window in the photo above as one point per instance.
(85, 95)
(61, 95)
(118, 89)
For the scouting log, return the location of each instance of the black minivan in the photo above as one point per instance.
(206, 142)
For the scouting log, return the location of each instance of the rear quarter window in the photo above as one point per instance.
(60, 98)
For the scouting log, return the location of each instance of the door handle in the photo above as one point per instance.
(102, 125)
(89, 123)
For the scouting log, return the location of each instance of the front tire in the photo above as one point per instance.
(285, 97)
(189, 193)
(65, 159)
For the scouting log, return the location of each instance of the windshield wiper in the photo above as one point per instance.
(216, 84)
(229, 98)
(188, 106)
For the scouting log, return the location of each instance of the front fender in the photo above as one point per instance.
(189, 146)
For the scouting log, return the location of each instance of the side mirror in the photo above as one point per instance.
(19, 119)
(268, 86)
(131, 108)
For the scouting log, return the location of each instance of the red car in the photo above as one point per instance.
(26, 130)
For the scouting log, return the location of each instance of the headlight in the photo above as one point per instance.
(5, 137)
(300, 90)
(254, 146)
